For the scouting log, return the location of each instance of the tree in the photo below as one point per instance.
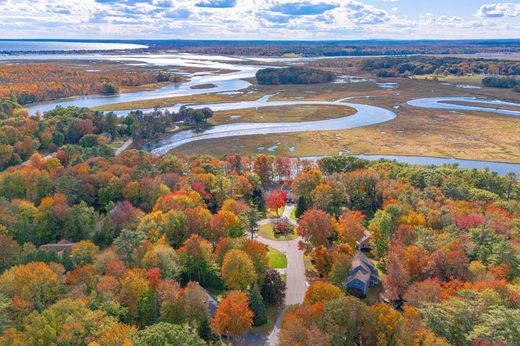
(263, 167)
(257, 306)
(162, 256)
(321, 291)
(68, 322)
(396, 280)
(386, 321)
(238, 270)
(322, 259)
(348, 321)
(276, 200)
(317, 227)
(326, 198)
(301, 207)
(10, 254)
(351, 227)
(83, 253)
(109, 89)
(34, 282)
(164, 333)
(130, 244)
(233, 316)
(195, 259)
(134, 294)
(273, 288)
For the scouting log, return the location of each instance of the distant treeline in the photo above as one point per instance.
(336, 48)
(293, 75)
(31, 83)
(422, 65)
(502, 82)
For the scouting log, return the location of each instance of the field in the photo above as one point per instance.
(296, 113)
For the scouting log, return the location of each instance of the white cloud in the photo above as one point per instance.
(499, 10)
(245, 19)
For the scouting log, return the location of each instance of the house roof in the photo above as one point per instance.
(360, 259)
(362, 268)
(58, 247)
(365, 237)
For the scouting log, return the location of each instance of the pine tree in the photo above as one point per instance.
(301, 206)
(206, 332)
(257, 305)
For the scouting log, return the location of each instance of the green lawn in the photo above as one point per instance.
(266, 231)
(277, 260)
(293, 214)
(271, 214)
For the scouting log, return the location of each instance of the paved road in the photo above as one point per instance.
(296, 280)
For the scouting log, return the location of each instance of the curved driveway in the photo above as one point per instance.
(296, 280)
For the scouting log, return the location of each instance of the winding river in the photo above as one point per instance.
(443, 103)
(233, 81)
(365, 115)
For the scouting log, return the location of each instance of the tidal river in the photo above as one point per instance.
(233, 81)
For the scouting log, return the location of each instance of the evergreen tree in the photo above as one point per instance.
(206, 333)
(256, 304)
(301, 206)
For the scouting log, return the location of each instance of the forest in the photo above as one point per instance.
(31, 83)
(148, 238)
(502, 82)
(81, 132)
(422, 65)
(334, 48)
(293, 75)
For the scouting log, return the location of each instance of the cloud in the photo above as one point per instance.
(217, 3)
(251, 19)
(303, 8)
(498, 10)
(179, 13)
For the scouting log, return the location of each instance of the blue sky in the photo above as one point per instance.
(259, 19)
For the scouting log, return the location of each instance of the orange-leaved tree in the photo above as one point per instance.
(233, 316)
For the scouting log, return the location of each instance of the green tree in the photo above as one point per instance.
(348, 322)
(238, 270)
(130, 244)
(257, 305)
(164, 333)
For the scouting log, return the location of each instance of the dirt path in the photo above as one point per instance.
(123, 147)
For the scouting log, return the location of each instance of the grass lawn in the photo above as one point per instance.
(271, 214)
(293, 214)
(277, 260)
(266, 231)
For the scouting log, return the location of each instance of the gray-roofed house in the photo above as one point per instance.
(362, 276)
(364, 242)
(59, 248)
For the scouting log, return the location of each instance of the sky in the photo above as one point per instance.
(259, 19)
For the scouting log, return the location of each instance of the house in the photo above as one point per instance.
(59, 248)
(362, 276)
(363, 244)
(212, 305)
